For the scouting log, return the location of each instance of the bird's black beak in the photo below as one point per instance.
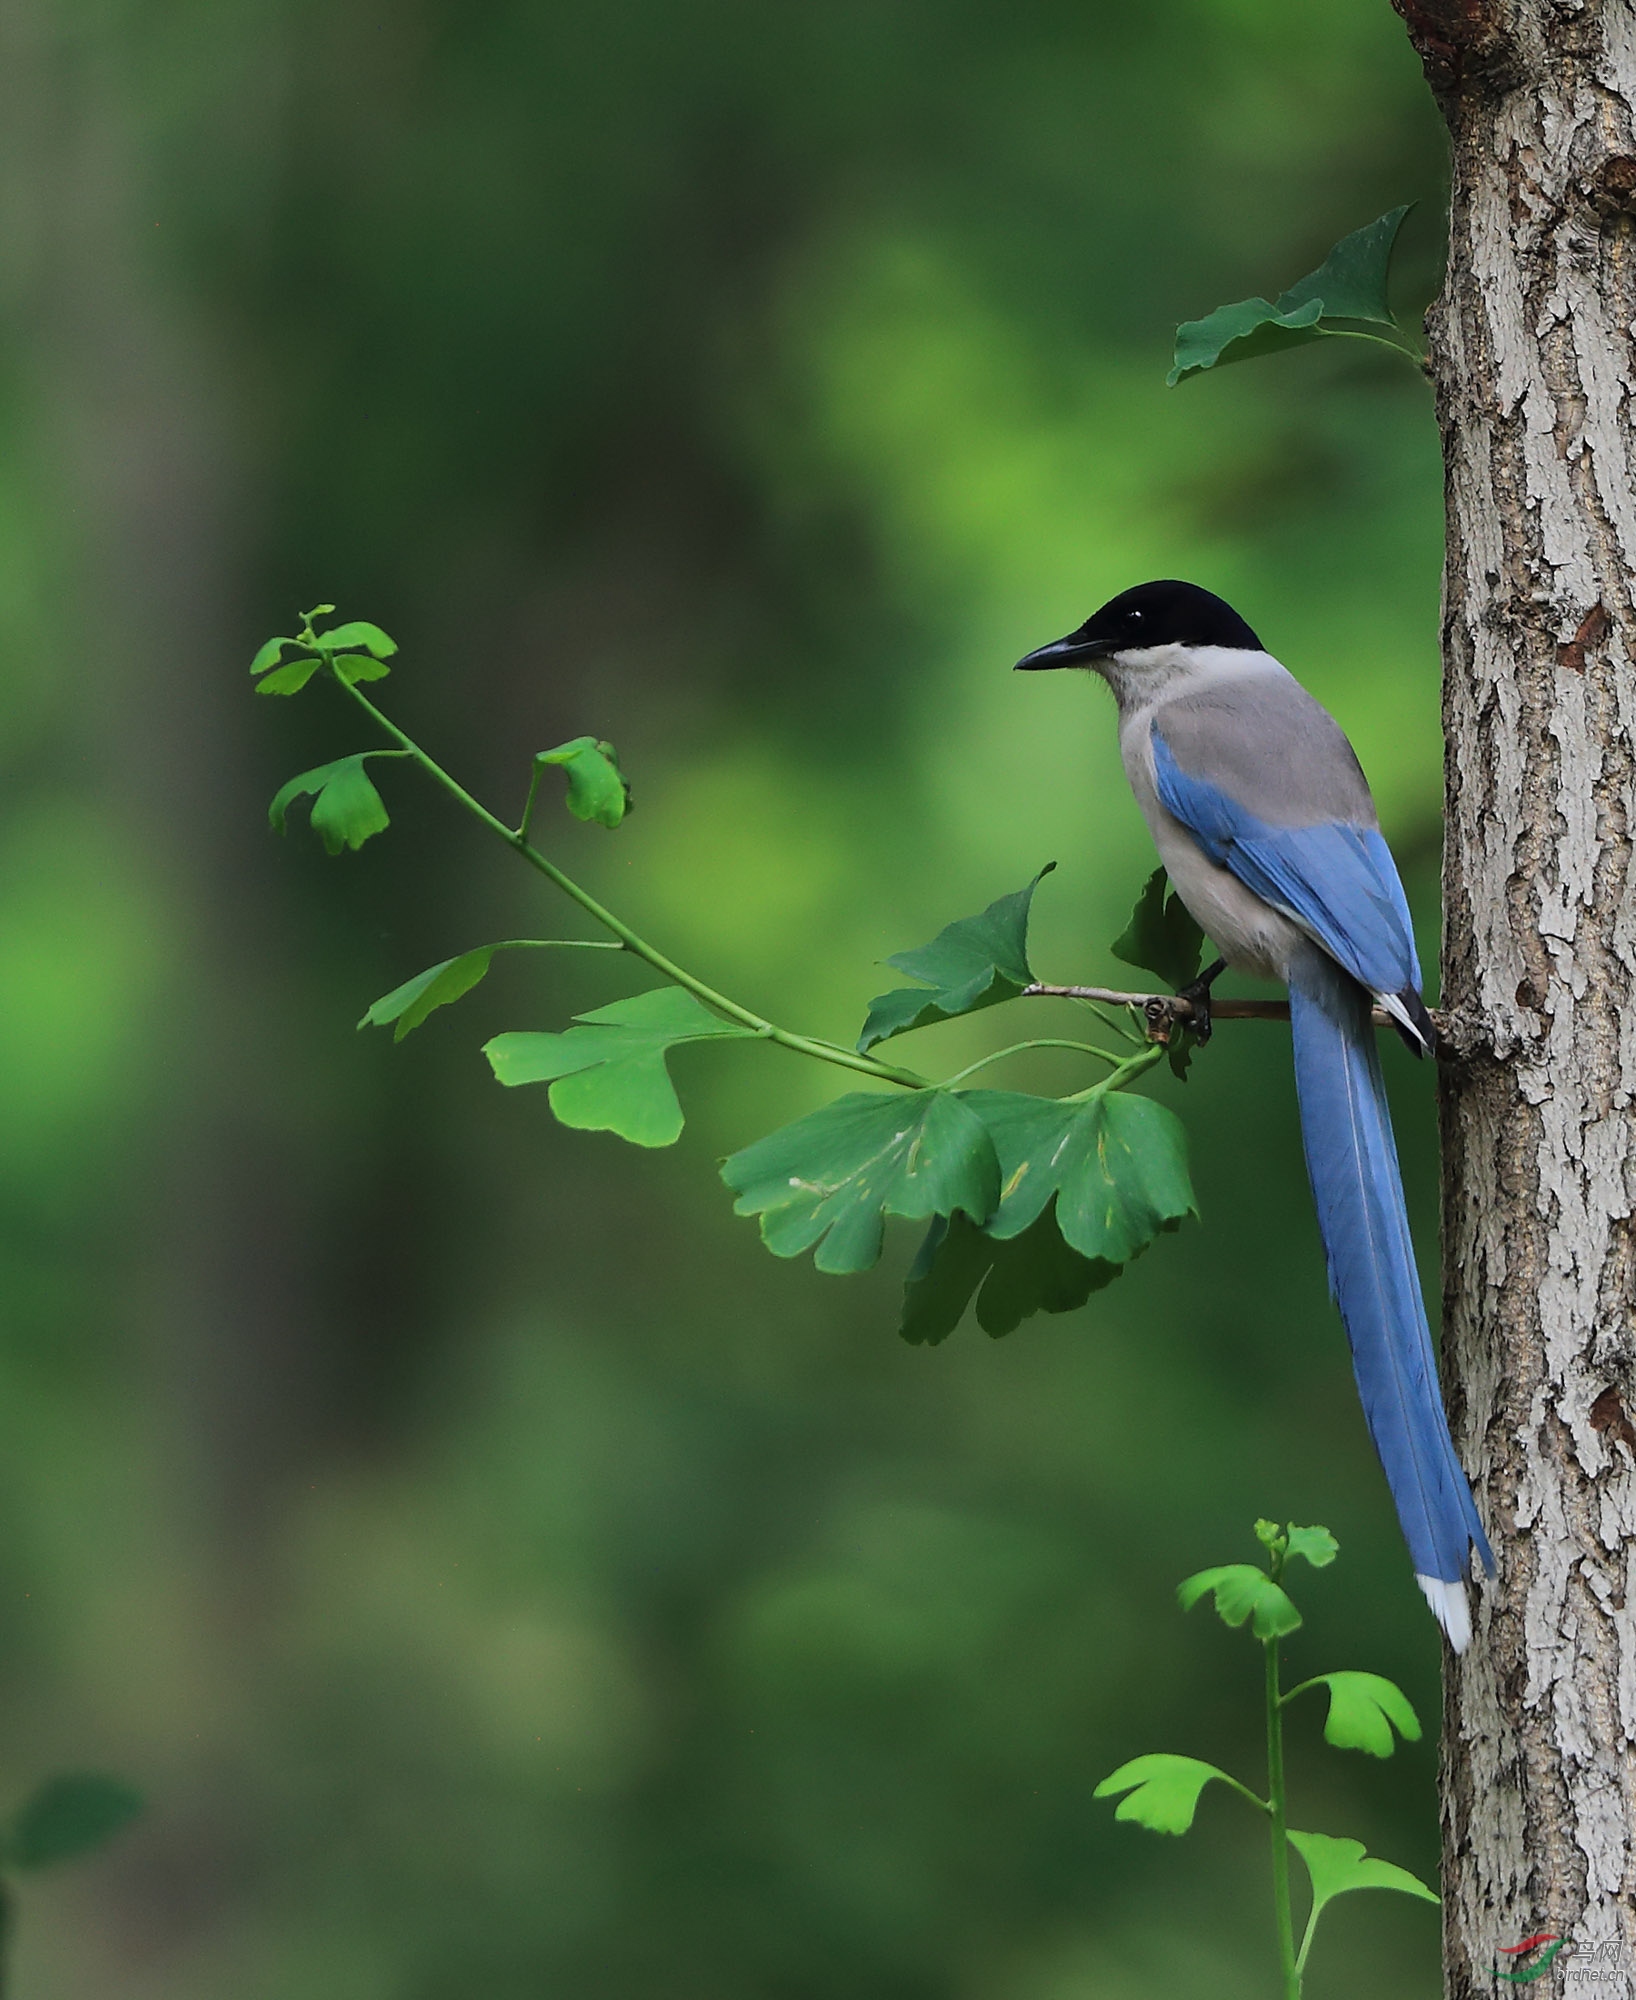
(1070, 652)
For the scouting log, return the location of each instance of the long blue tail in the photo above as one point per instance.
(1352, 1163)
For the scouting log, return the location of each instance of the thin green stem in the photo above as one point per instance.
(1280, 1837)
(1305, 1687)
(557, 944)
(1380, 340)
(533, 793)
(632, 942)
(1125, 1028)
(1016, 1048)
(1131, 1066)
(1306, 1946)
(1244, 1792)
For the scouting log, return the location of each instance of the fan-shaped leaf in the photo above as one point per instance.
(1115, 1164)
(974, 962)
(832, 1178)
(1243, 1591)
(596, 790)
(1363, 1711)
(358, 636)
(1161, 936)
(1164, 1790)
(409, 1004)
(1334, 1866)
(290, 678)
(1314, 1545)
(1010, 1280)
(609, 1073)
(346, 808)
(1349, 285)
(270, 654)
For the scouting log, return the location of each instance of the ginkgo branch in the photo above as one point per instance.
(1163, 1009)
(631, 940)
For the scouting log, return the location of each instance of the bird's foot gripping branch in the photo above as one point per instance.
(1030, 1203)
(1162, 1792)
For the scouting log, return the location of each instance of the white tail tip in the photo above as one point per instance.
(1449, 1608)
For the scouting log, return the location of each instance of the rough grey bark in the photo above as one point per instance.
(1534, 364)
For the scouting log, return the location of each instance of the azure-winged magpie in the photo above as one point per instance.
(1264, 822)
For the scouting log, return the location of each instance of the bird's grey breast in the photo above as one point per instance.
(1278, 754)
(1251, 935)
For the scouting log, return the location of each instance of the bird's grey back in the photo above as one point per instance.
(1264, 741)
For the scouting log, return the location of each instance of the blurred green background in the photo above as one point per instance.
(504, 1577)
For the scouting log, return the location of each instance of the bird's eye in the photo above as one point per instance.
(1135, 617)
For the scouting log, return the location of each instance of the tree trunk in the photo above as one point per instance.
(1533, 359)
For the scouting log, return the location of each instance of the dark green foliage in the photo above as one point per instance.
(974, 962)
(1084, 1187)
(1010, 1279)
(1161, 937)
(1114, 1165)
(1349, 286)
(66, 1818)
(831, 1179)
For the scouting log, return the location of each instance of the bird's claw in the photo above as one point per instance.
(1197, 996)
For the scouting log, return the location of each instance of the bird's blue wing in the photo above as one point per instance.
(1336, 880)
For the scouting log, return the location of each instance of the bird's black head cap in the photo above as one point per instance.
(1166, 613)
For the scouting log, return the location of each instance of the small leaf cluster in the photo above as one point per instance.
(1366, 1712)
(1031, 1203)
(1344, 297)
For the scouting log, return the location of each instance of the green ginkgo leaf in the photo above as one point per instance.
(609, 1073)
(290, 678)
(596, 789)
(828, 1182)
(1243, 1592)
(270, 654)
(1364, 1709)
(1161, 936)
(974, 962)
(1335, 1866)
(1115, 1166)
(960, 1265)
(1163, 1790)
(406, 1006)
(346, 808)
(1348, 286)
(1314, 1545)
(358, 636)
(350, 668)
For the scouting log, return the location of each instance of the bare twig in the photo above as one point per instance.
(1171, 1005)
(1163, 1010)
